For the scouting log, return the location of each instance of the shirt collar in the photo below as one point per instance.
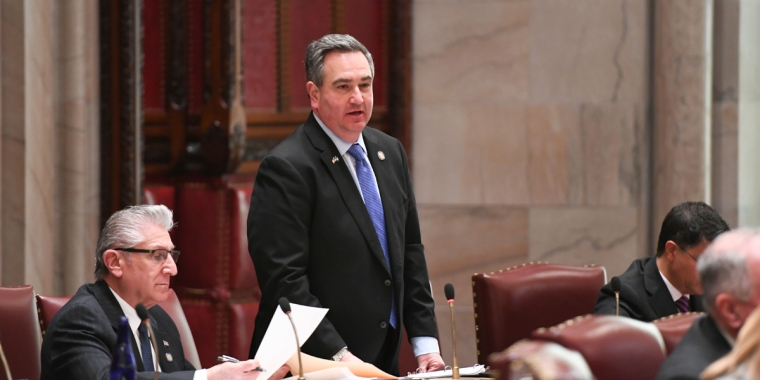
(129, 312)
(342, 145)
(672, 289)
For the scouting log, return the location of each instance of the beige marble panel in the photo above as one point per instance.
(470, 154)
(13, 141)
(470, 52)
(588, 51)
(40, 175)
(611, 154)
(606, 236)
(555, 168)
(681, 114)
(725, 160)
(749, 114)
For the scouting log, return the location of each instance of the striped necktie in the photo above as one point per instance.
(375, 208)
(683, 304)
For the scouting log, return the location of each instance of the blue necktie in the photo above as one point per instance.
(147, 358)
(375, 207)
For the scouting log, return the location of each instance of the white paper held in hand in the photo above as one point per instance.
(279, 343)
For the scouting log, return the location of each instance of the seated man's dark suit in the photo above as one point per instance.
(643, 294)
(81, 337)
(701, 346)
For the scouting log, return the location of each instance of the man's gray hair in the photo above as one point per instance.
(124, 229)
(317, 50)
(723, 272)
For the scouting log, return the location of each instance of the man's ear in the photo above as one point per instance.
(671, 248)
(313, 91)
(114, 262)
(728, 309)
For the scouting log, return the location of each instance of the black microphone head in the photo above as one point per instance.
(448, 290)
(615, 282)
(142, 312)
(284, 305)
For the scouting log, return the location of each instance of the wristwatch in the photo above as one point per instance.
(343, 351)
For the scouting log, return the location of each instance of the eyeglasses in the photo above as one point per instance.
(687, 252)
(159, 255)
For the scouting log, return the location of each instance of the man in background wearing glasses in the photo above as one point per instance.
(134, 261)
(668, 283)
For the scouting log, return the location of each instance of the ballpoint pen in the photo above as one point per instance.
(230, 359)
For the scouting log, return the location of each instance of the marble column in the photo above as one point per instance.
(78, 134)
(749, 114)
(681, 130)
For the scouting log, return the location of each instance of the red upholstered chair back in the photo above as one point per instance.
(615, 348)
(673, 328)
(511, 303)
(20, 332)
(47, 306)
(539, 360)
(174, 309)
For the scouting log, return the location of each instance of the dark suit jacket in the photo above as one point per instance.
(643, 294)
(701, 346)
(312, 240)
(82, 335)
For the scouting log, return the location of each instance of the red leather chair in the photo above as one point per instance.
(47, 306)
(615, 348)
(216, 284)
(20, 332)
(673, 327)
(174, 309)
(530, 359)
(511, 303)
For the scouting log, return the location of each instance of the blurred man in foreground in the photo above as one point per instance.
(657, 286)
(730, 275)
(135, 259)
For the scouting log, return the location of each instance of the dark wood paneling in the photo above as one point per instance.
(153, 49)
(195, 55)
(365, 20)
(308, 20)
(260, 54)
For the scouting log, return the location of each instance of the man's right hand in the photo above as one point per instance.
(349, 357)
(243, 370)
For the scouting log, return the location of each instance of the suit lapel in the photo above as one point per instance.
(345, 184)
(659, 297)
(111, 307)
(164, 350)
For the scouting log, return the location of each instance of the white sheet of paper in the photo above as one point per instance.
(279, 343)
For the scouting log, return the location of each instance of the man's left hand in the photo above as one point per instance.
(430, 362)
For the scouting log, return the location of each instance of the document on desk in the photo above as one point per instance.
(279, 342)
(466, 371)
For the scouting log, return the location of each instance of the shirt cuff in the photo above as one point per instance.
(200, 375)
(424, 345)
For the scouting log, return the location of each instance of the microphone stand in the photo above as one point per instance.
(142, 312)
(285, 306)
(617, 304)
(455, 369)
(5, 363)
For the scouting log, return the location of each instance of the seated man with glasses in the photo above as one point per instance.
(134, 261)
(668, 283)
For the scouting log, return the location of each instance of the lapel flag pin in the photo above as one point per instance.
(335, 159)
(381, 155)
(166, 344)
(169, 357)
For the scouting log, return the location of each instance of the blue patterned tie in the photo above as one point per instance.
(375, 207)
(145, 347)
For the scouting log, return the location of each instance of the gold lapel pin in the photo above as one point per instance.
(169, 357)
(381, 155)
(335, 159)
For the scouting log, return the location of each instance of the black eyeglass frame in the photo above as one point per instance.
(175, 253)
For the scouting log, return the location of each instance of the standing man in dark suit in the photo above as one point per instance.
(655, 287)
(730, 274)
(333, 222)
(134, 261)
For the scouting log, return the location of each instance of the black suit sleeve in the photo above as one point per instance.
(605, 302)
(278, 240)
(79, 346)
(419, 315)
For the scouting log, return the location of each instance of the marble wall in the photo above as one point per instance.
(530, 131)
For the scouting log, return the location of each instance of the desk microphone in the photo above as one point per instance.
(285, 306)
(5, 363)
(448, 290)
(615, 282)
(142, 313)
